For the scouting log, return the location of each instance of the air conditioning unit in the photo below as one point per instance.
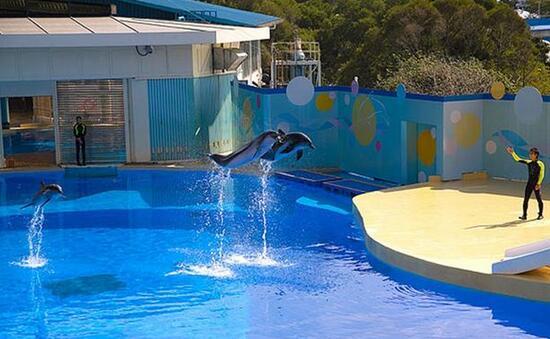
(228, 59)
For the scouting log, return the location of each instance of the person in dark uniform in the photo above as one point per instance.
(536, 176)
(79, 131)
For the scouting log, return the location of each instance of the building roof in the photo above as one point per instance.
(210, 12)
(117, 31)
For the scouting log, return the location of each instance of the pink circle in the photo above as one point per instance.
(378, 146)
(449, 146)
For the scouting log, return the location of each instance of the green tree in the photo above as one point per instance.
(436, 75)
(540, 7)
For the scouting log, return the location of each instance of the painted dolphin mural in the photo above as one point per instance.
(294, 142)
(511, 138)
(252, 151)
(45, 194)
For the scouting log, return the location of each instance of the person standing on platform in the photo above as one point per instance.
(536, 176)
(79, 131)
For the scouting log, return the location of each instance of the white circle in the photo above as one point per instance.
(432, 132)
(346, 99)
(332, 95)
(455, 116)
(528, 105)
(491, 147)
(285, 126)
(401, 91)
(300, 91)
(422, 176)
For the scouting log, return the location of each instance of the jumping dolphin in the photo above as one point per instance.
(291, 143)
(249, 152)
(45, 194)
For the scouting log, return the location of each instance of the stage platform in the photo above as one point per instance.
(455, 231)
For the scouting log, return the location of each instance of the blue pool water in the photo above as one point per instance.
(131, 256)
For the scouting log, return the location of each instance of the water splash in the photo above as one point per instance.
(34, 239)
(215, 270)
(259, 260)
(263, 202)
(219, 180)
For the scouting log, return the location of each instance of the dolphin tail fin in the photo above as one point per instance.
(299, 154)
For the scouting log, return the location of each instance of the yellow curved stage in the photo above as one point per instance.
(455, 231)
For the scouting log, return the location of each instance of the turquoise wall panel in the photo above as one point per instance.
(190, 117)
(503, 126)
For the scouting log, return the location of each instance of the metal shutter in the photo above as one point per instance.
(100, 103)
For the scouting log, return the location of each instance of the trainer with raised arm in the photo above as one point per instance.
(536, 176)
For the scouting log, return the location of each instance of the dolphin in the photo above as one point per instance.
(45, 194)
(289, 144)
(249, 152)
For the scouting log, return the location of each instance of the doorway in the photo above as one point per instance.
(419, 152)
(28, 131)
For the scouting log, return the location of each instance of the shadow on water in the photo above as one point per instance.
(85, 285)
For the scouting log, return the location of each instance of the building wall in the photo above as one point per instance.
(190, 117)
(505, 124)
(94, 63)
(374, 133)
(463, 137)
(359, 133)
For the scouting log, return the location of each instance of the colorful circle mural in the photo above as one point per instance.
(498, 90)
(528, 105)
(378, 146)
(422, 177)
(248, 115)
(425, 147)
(300, 91)
(449, 146)
(324, 102)
(491, 147)
(455, 116)
(467, 130)
(363, 120)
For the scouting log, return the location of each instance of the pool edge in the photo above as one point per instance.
(508, 285)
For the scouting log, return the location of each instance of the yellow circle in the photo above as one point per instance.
(425, 147)
(468, 130)
(324, 102)
(363, 120)
(498, 90)
(248, 114)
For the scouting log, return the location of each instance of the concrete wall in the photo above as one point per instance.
(93, 63)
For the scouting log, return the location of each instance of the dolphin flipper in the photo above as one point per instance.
(299, 154)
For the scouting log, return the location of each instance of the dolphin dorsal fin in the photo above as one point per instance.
(281, 131)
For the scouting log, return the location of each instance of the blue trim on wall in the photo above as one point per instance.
(451, 98)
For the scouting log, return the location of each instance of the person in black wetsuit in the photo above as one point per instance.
(79, 132)
(536, 176)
